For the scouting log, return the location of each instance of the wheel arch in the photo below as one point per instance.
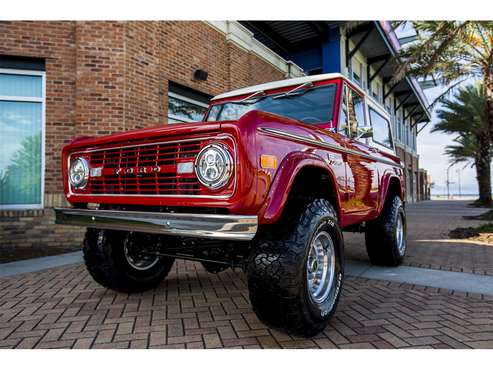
(298, 173)
(391, 185)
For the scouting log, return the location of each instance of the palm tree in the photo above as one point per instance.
(451, 52)
(463, 115)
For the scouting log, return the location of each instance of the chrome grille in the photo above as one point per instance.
(146, 169)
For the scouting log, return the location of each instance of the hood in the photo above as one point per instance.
(146, 134)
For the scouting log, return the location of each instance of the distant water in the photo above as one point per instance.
(455, 196)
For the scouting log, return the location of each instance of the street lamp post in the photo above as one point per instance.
(448, 181)
(458, 175)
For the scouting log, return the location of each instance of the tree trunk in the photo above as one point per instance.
(488, 83)
(483, 171)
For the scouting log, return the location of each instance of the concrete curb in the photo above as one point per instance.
(37, 264)
(458, 281)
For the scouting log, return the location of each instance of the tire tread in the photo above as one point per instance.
(380, 236)
(275, 277)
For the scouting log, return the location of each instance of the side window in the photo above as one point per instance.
(356, 112)
(343, 117)
(381, 129)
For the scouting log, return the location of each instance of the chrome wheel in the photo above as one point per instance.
(399, 234)
(320, 266)
(136, 259)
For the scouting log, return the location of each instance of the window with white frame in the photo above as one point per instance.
(185, 104)
(22, 106)
(357, 72)
(376, 91)
(389, 103)
(400, 126)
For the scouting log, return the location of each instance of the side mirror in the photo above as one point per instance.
(365, 132)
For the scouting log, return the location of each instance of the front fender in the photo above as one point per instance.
(283, 181)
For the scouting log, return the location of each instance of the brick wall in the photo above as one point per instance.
(104, 77)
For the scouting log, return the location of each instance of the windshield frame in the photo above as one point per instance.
(337, 82)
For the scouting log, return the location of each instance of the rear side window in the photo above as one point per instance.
(381, 129)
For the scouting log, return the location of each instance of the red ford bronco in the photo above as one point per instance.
(267, 182)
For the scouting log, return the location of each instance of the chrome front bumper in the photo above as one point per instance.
(225, 227)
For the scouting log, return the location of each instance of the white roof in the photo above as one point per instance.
(278, 84)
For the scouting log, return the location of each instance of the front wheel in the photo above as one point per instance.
(115, 260)
(385, 237)
(295, 276)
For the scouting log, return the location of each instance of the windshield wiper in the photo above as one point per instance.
(295, 91)
(259, 95)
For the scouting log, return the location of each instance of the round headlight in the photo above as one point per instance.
(79, 173)
(214, 166)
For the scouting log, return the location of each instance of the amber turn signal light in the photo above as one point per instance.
(268, 161)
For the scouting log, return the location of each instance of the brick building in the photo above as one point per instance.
(425, 185)
(60, 80)
(73, 79)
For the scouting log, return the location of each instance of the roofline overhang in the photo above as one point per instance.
(393, 45)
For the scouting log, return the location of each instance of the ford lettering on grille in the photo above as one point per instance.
(138, 170)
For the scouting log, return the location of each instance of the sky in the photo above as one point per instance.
(431, 147)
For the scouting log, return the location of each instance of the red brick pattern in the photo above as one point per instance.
(100, 83)
(106, 77)
(145, 84)
(64, 308)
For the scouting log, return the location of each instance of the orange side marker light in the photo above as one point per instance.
(268, 161)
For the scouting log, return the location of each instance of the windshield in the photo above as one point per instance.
(311, 105)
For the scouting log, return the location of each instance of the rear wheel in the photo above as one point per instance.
(385, 237)
(115, 260)
(295, 276)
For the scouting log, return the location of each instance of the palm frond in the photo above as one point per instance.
(445, 94)
(463, 114)
(448, 51)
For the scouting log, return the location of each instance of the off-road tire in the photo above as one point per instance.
(381, 238)
(277, 270)
(105, 260)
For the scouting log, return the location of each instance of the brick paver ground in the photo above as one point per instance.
(429, 245)
(64, 308)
